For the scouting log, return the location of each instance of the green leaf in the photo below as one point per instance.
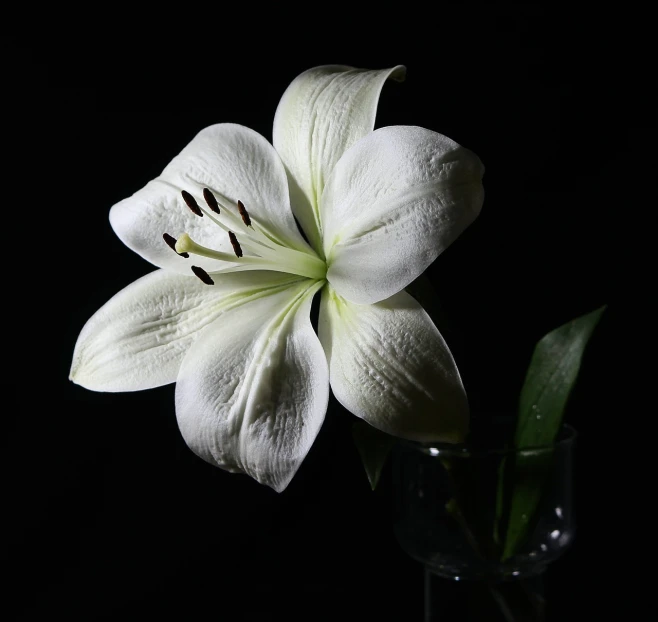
(549, 380)
(551, 376)
(523, 475)
(374, 446)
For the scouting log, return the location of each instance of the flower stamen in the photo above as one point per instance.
(235, 244)
(191, 203)
(203, 275)
(265, 252)
(244, 214)
(243, 224)
(211, 200)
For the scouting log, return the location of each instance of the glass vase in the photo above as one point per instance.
(490, 519)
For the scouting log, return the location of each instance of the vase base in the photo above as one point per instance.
(493, 573)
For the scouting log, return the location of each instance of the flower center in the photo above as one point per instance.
(264, 251)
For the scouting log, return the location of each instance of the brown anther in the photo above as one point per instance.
(171, 243)
(191, 203)
(236, 245)
(211, 200)
(244, 214)
(203, 275)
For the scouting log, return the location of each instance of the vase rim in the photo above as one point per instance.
(566, 437)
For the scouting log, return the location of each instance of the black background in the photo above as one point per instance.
(114, 517)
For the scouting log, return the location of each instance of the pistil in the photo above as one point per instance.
(171, 243)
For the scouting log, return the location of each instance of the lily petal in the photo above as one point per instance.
(138, 339)
(389, 365)
(323, 112)
(235, 163)
(251, 395)
(394, 201)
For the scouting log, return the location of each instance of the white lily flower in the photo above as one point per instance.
(252, 376)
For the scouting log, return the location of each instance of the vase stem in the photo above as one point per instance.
(520, 600)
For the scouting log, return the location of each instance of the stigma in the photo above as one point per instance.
(263, 252)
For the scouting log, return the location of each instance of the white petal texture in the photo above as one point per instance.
(252, 393)
(235, 163)
(394, 201)
(389, 365)
(324, 111)
(138, 339)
